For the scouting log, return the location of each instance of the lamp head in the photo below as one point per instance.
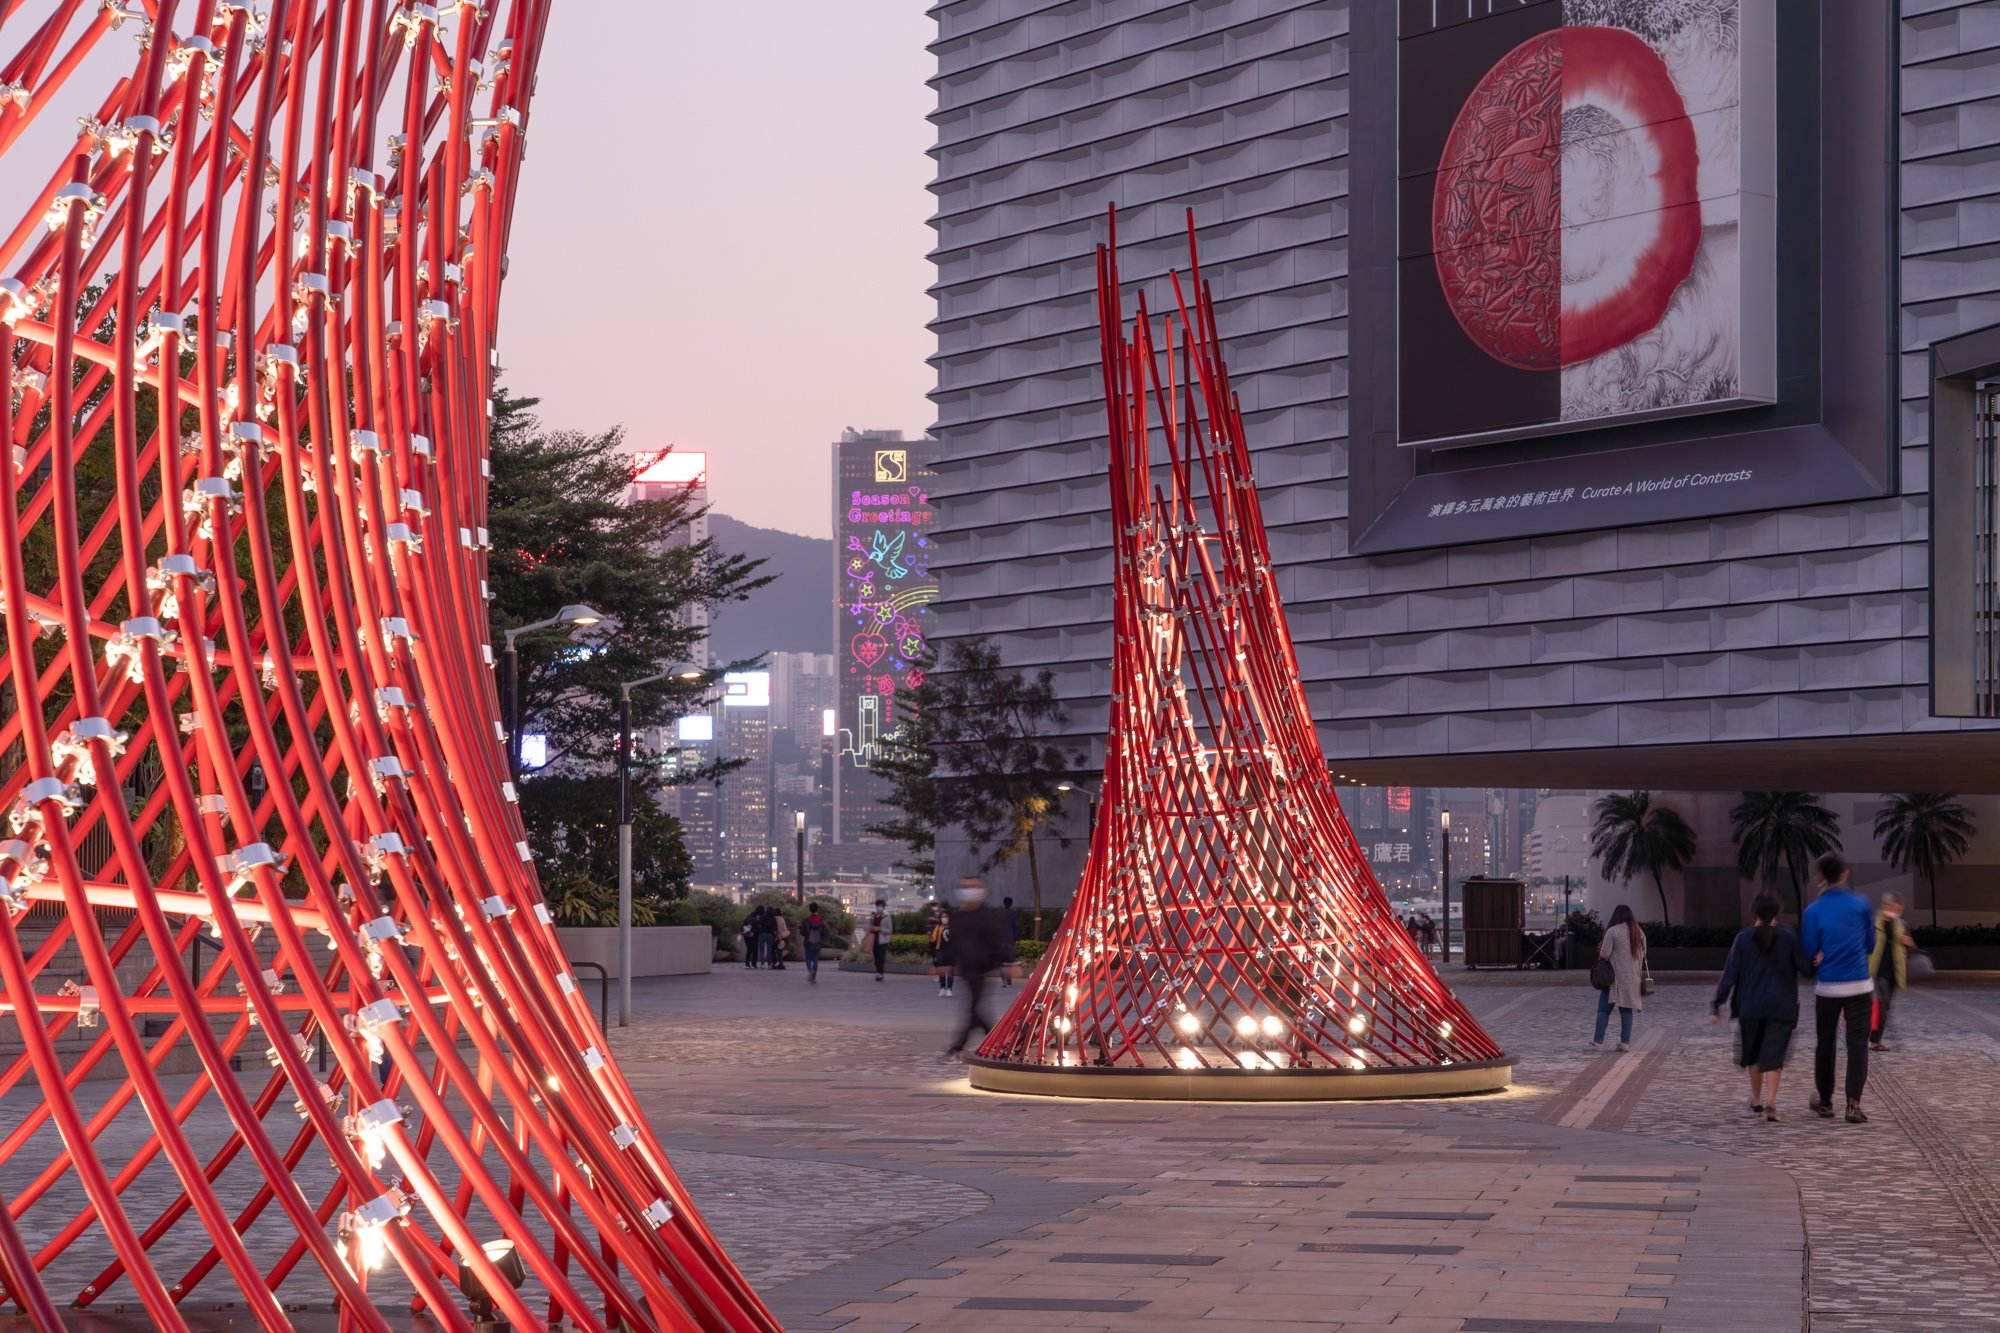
(578, 614)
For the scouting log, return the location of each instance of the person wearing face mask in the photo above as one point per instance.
(981, 944)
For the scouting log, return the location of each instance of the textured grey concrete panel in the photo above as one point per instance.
(1809, 621)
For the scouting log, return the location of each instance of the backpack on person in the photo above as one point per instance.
(814, 933)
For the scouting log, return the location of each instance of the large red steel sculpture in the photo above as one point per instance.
(249, 323)
(1228, 939)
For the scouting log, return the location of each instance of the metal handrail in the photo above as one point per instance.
(603, 993)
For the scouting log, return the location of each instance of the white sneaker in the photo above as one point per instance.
(1624, 1046)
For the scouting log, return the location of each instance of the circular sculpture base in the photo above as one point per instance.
(1240, 1085)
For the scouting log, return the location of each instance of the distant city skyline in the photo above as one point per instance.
(752, 322)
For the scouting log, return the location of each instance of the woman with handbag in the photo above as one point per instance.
(1620, 975)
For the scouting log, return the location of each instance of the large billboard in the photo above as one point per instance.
(1615, 262)
(883, 589)
(1586, 214)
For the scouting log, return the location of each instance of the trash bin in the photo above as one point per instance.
(1496, 913)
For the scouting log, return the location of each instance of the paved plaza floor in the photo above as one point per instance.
(865, 1187)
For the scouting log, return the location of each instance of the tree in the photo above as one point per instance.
(1632, 836)
(976, 750)
(1788, 826)
(1923, 831)
(563, 532)
(573, 824)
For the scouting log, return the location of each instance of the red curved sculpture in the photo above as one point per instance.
(1228, 939)
(249, 324)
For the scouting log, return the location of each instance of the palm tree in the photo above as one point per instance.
(1792, 826)
(1633, 836)
(1924, 831)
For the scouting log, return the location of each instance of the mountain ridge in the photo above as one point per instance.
(793, 614)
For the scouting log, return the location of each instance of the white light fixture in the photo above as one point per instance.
(1272, 1025)
(1246, 1026)
(1188, 1023)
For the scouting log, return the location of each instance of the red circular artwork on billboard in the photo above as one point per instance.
(1566, 211)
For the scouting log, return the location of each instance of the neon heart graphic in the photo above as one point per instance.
(869, 648)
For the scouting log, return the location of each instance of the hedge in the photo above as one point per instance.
(1659, 936)
(1955, 937)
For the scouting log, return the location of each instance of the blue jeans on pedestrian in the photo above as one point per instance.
(812, 959)
(1604, 1020)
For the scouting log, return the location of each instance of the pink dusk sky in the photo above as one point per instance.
(720, 240)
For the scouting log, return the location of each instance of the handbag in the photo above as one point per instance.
(1602, 974)
(1917, 963)
(1645, 977)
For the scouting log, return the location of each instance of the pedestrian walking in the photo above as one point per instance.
(1624, 948)
(1838, 932)
(1889, 964)
(781, 931)
(1428, 930)
(812, 938)
(1760, 983)
(1012, 919)
(941, 951)
(981, 942)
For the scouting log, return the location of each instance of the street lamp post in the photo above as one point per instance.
(625, 689)
(799, 865)
(1445, 893)
(510, 674)
(1066, 787)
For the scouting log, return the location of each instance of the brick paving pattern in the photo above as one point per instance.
(865, 1188)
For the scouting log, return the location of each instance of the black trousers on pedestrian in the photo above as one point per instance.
(975, 1014)
(881, 959)
(1885, 991)
(1829, 1012)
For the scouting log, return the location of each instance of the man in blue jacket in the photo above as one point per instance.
(1839, 934)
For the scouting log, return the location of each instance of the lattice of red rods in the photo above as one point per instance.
(246, 711)
(1226, 917)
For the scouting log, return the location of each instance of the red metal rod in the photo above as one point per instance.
(1226, 918)
(254, 362)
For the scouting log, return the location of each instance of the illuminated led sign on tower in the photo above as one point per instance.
(882, 587)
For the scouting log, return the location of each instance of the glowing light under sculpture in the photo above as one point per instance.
(246, 712)
(1228, 939)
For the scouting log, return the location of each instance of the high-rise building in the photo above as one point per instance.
(744, 732)
(684, 749)
(661, 476)
(882, 591)
(1714, 521)
(1558, 844)
(803, 687)
(804, 695)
